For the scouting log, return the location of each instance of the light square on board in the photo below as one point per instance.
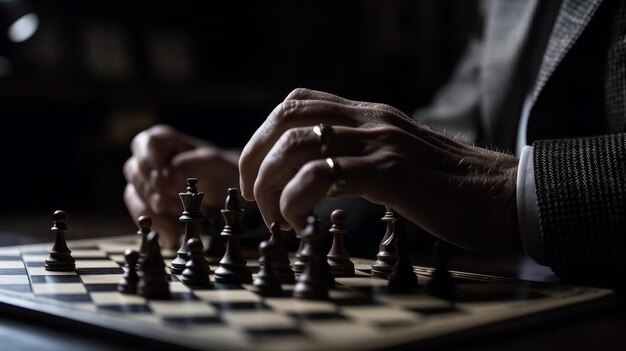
(84, 264)
(258, 319)
(116, 298)
(14, 279)
(43, 271)
(11, 264)
(414, 301)
(339, 330)
(381, 315)
(59, 288)
(227, 296)
(34, 257)
(88, 254)
(101, 278)
(292, 305)
(178, 309)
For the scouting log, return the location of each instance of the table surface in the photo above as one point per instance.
(600, 328)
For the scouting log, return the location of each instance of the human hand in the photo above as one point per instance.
(161, 161)
(460, 193)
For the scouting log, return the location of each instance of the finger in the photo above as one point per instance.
(152, 189)
(310, 185)
(287, 115)
(156, 146)
(293, 149)
(308, 94)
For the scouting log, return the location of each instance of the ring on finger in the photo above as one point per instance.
(324, 132)
(338, 184)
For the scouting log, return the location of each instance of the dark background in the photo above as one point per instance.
(97, 72)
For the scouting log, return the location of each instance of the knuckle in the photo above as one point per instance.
(128, 169)
(292, 139)
(159, 129)
(286, 110)
(387, 133)
(299, 93)
(314, 170)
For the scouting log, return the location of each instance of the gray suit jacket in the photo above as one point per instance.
(579, 151)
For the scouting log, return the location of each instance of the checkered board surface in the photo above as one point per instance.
(360, 315)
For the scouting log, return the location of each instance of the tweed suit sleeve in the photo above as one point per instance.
(581, 195)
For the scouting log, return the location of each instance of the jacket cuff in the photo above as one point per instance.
(527, 209)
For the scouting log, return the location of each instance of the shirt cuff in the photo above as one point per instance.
(527, 210)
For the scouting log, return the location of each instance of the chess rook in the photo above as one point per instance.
(145, 224)
(128, 283)
(191, 216)
(313, 283)
(338, 257)
(280, 256)
(386, 257)
(267, 282)
(60, 258)
(197, 268)
(153, 283)
(232, 269)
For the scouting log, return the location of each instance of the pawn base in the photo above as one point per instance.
(233, 275)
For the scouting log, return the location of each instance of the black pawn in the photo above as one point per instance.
(338, 257)
(441, 283)
(387, 256)
(280, 257)
(233, 269)
(128, 283)
(302, 256)
(197, 269)
(153, 283)
(145, 224)
(313, 284)
(267, 281)
(60, 258)
(402, 278)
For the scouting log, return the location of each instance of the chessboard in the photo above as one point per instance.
(361, 313)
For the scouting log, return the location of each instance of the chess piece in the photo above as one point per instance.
(402, 278)
(192, 200)
(232, 269)
(338, 257)
(144, 223)
(60, 258)
(313, 282)
(280, 257)
(153, 282)
(302, 255)
(197, 268)
(267, 282)
(441, 283)
(386, 257)
(128, 283)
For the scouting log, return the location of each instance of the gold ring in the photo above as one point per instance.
(324, 132)
(338, 184)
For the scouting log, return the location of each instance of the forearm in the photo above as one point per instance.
(581, 206)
